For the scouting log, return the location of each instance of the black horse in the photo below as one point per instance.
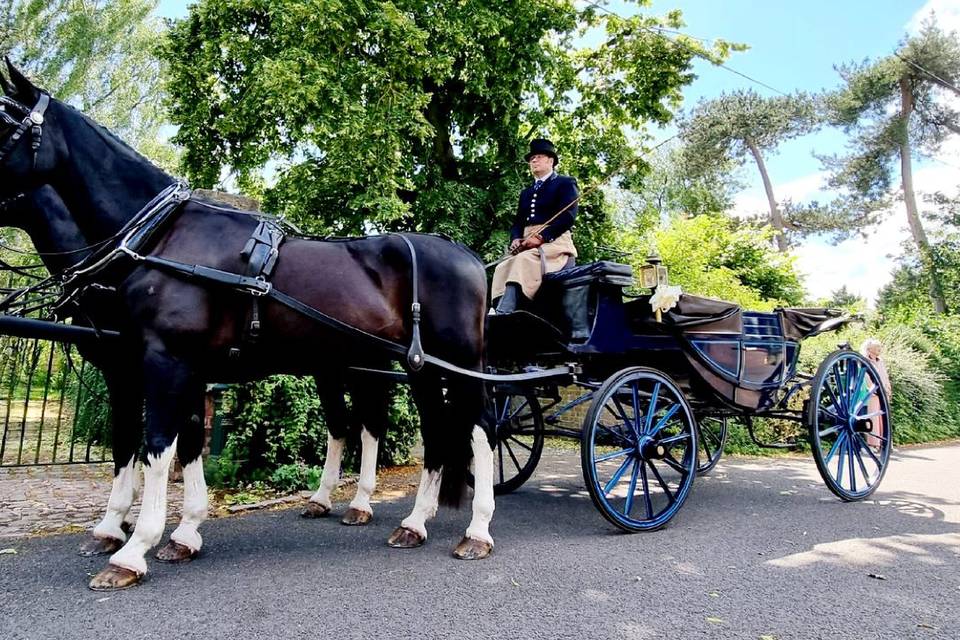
(178, 332)
(61, 244)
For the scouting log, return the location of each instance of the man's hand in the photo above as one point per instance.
(532, 242)
(514, 244)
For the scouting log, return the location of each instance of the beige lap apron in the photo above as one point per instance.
(527, 267)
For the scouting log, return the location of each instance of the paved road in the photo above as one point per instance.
(760, 550)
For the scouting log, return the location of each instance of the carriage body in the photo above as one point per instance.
(661, 390)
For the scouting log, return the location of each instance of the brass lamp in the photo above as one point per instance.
(652, 275)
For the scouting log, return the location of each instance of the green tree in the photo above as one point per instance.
(895, 107)
(415, 114)
(98, 55)
(712, 256)
(843, 298)
(741, 125)
(665, 188)
(906, 294)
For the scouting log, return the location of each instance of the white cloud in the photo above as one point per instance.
(947, 13)
(803, 189)
(863, 265)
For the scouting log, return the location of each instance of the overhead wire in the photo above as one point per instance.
(699, 54)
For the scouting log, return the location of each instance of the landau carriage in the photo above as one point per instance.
(162, 309)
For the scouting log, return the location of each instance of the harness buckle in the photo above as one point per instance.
(259, 287)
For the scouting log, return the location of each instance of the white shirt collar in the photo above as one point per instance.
(547, 177)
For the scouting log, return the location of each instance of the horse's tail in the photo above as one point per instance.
(464, 407)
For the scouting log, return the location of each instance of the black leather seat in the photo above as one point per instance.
(602, 271)
(570, 295)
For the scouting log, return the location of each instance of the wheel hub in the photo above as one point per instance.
(649, 448)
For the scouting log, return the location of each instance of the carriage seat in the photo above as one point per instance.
(571, 295)
(602, 271)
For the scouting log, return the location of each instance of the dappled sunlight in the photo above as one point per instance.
(934, 549)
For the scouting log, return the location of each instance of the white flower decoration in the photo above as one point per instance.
(665, 297)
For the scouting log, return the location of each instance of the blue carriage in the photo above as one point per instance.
(660, 389)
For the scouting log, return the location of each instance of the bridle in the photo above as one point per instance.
(32, 122)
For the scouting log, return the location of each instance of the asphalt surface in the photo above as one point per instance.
(760, 550)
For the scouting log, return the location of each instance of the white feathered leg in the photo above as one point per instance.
(320, 502)
(478, 543)
(360, 511)
(413, 529)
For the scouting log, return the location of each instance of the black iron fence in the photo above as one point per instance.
(52, 405)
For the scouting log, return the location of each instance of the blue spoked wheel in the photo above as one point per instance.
(639, 449)
(848, 418)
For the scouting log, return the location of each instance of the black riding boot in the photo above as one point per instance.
(509, 299)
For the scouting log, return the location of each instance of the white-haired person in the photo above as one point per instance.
(871, 349)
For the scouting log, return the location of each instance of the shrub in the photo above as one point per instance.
(279, 435)
(93, 416)
(921, 406)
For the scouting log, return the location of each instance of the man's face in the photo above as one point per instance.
(540, 164)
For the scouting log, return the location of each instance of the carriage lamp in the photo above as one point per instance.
(653, 273)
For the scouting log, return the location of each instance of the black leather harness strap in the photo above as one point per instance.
(415, 355)
(261, 253)
(32, 122)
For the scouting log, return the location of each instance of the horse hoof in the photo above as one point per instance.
(176, 553)
(114, 578)
(100, 547)
(356, 517)
(403, 538)
(315, 510)
(470, 549)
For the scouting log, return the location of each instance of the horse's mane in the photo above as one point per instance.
(114, 141)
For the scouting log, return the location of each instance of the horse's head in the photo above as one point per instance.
(27, 139)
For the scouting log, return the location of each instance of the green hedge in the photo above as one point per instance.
(279, 436)
(922, 363)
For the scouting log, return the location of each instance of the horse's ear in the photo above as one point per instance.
(21, 87)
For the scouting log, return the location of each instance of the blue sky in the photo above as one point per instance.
(794, 46)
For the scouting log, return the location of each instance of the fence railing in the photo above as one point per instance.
(53, 406)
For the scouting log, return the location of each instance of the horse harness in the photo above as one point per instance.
(32, 121)
(260, 253)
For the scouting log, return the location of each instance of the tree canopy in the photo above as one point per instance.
(894, 108)
(415, 114)
(97, 55)
(743, 125)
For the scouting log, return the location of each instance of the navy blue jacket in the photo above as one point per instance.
(536, 208)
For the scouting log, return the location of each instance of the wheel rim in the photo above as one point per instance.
(713, 436)
(851, 415)
(640, 450)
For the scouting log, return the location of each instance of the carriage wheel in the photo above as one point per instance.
(848, 418)
(639, 449)
(713, 436)
(517, 420)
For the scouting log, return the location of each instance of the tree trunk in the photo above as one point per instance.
(438, 115)
(776, 217)
(910, 200)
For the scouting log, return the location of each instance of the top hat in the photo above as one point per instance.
(544, 146)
